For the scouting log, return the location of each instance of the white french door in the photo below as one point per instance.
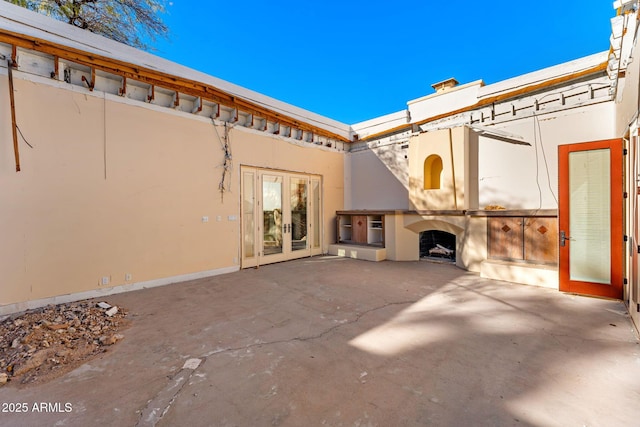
(281, 217)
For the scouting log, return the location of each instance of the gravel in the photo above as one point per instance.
(42, 344)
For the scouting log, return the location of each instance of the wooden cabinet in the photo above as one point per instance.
(527, 239)
(360, 228)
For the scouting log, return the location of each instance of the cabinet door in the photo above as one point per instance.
(359, 228)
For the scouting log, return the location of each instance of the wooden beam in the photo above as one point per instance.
(56, 68)
(123, 89)
(176, 99)
(14, 56)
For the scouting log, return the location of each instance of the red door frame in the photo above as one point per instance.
(615, 288)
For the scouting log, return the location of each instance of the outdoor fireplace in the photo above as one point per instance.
(435, 244)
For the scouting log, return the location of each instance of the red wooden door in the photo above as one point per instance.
(590, 218)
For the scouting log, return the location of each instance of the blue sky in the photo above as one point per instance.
(354, 61)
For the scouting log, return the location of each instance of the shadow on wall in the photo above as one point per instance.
(379, 179)
(393, 158)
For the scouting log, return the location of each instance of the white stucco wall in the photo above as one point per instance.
(377, 178)
(443, 102)
(511, 176)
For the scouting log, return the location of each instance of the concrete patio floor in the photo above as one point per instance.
(340, 342)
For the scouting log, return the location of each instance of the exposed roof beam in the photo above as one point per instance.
(157, 78)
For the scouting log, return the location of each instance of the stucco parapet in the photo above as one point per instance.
(515, 212)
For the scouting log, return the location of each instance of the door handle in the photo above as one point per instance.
(564, 238)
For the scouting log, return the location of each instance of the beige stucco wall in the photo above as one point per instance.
(377, 179)
(401, 243)
(450, 145)
(113, 187)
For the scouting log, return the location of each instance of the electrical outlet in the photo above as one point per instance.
(205, 219)
(105, 280)
(127, 277)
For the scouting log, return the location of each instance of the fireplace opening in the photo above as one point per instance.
(438, 245)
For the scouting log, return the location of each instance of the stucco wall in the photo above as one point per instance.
(514, 177)
(112, 187)
(627, 126)
(378, 179)
(451, 146)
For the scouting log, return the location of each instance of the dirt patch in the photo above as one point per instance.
(42, 344)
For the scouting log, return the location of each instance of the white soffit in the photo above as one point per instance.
(19, 20)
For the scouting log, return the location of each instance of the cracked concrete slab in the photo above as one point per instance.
(161, 404)
(339, 342)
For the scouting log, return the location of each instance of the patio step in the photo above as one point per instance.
(369, 253)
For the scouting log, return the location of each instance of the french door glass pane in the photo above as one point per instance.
(272, 214)
(590, 216)
(248, 214)
(298, 197)
(315, 220)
